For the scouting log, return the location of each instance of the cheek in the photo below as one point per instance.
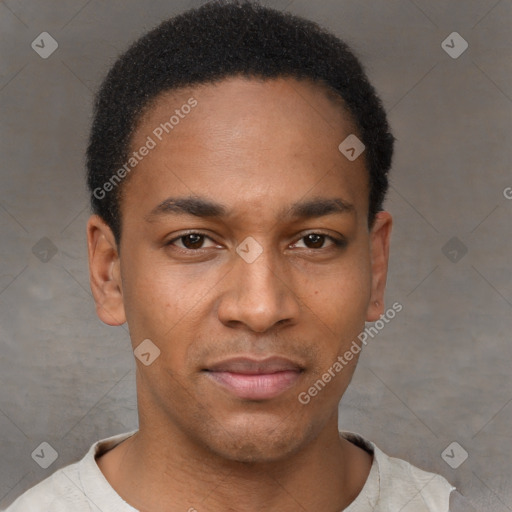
(168, 306)
(156, 299)
(340, 299)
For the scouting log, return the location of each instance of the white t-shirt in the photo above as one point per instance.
(392, 485)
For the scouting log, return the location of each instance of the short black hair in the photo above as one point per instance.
(218, 40)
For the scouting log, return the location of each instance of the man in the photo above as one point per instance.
(237, 165)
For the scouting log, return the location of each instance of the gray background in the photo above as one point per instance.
(438, 373)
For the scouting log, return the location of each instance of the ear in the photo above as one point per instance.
(104, 272)
(380, 235)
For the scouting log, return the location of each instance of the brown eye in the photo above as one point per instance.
(314, 240)
(192, 241)
(317, 241)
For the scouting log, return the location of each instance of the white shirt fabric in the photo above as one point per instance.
(392, 485)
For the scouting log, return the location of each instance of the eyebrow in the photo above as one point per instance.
(206, 208)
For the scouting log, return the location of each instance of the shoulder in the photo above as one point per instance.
(79, 487)
(402, 486)
(419, 489)
(54, 494)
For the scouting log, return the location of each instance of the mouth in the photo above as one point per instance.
(252, 379)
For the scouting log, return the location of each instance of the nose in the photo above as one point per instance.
(258, 295)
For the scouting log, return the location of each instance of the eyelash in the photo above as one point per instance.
(338, 243)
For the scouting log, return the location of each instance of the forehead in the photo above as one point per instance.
(229, 98)
(256, 135)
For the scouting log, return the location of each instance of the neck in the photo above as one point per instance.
(161, 469)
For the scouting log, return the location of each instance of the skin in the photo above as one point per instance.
(257, 147)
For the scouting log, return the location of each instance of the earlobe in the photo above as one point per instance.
(104, 272)
(379, 247)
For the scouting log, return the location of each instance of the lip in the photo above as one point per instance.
(253, 379)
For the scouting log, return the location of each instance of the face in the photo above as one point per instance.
(246, 258)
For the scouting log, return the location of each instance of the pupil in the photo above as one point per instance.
(315, 239)
(193, 240)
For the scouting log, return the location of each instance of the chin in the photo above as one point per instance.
(255, 441)
(255, 452)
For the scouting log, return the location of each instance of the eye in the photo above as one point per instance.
(317, 240)
(195, 241)
(190, 241)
